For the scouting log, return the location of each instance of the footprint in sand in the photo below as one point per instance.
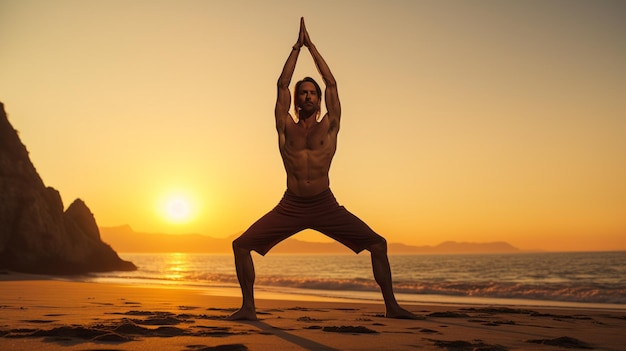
(307, 319)
(39, 321)
(564, 341)
(461, 345)
(349, 329)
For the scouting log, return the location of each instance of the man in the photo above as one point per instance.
(307, 144)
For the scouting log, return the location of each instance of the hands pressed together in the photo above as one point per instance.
(303, 37)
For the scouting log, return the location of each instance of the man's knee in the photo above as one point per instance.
(238, 246)
(379, 247)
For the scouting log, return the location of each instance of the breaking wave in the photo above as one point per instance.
(582, 278)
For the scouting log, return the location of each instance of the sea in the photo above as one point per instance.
(572, 279)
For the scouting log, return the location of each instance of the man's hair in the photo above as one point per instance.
(317, 88)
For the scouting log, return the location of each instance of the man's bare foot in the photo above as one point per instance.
(400, 313)
(243, 314)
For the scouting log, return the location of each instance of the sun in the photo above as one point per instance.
(178, 208)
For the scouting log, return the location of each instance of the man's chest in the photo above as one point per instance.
(313, 137)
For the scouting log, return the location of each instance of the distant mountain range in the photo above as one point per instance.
(125, 239)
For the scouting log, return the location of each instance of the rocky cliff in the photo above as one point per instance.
(36, 235)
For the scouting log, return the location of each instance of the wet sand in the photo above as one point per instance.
(66, 315)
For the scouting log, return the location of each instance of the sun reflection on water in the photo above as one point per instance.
(177, 265)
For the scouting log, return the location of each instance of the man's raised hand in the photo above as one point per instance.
(301, 36)
(307, 40)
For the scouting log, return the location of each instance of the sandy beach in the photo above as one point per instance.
(40, 314)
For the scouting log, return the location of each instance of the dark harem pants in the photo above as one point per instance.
(320, 212)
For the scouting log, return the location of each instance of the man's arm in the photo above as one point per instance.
(331, 94)
(283, 100)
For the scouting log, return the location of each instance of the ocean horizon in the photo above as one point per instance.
(562, 279)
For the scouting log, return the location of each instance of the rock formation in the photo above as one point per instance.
(36, 235)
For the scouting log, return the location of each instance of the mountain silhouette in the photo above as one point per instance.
(125, 239)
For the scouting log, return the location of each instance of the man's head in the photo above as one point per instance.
(307, 97)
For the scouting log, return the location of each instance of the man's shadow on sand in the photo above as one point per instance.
(294, 339)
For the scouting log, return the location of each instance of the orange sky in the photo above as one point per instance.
(467, 121)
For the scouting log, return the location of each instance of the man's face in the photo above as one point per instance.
(307, 99)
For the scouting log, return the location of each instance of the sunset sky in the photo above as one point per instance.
(461, 120)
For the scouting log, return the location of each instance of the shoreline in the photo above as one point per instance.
(49, 314)
(263, 292)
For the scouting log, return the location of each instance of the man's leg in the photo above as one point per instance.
(380, 262)
(267, 231)
(382, 274)
(245, 274)
(340, 224)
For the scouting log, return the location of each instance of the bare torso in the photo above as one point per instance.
(307, 149)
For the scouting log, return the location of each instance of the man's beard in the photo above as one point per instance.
(313, 110)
